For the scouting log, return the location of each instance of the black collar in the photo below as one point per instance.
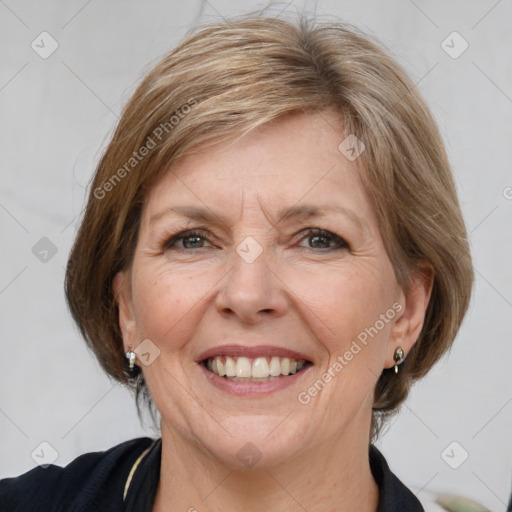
(393, 494)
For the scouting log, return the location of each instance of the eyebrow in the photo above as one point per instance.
(303, 212)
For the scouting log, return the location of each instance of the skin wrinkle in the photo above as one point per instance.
(306, 299)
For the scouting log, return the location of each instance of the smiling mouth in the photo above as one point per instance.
(258, 369)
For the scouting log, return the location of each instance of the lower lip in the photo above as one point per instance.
(252, 388)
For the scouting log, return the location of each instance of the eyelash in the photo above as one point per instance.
(168, 243)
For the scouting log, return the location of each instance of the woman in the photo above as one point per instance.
(271, 254)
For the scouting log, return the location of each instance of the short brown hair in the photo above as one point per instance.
(228, 78)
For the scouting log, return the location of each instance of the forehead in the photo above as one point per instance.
(280, 164)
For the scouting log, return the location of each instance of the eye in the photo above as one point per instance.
(322, 239)
(190, 239)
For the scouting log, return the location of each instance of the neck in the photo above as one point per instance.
(334, 475)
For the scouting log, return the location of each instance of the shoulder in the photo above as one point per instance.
(84, 484)
(393, 494)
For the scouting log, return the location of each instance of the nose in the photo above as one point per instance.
(252, 290)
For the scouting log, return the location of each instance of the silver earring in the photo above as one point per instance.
(130, 355)
(399, 357)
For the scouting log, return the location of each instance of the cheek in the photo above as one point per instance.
(345, 309)
(348, 300)
(166, 303)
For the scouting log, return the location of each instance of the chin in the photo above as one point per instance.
(255, 443)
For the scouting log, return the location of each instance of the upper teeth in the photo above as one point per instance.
(260, 367)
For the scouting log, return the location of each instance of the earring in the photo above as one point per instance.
(130, 355)
(399, 357)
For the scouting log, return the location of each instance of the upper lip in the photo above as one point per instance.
(251, 352)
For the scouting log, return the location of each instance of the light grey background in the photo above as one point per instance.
(56, 115)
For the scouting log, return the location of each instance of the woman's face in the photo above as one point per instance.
(264, 291)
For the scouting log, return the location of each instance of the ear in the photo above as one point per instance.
(411, 316)
(123, 296)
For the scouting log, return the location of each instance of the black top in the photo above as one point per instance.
(125, 478)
